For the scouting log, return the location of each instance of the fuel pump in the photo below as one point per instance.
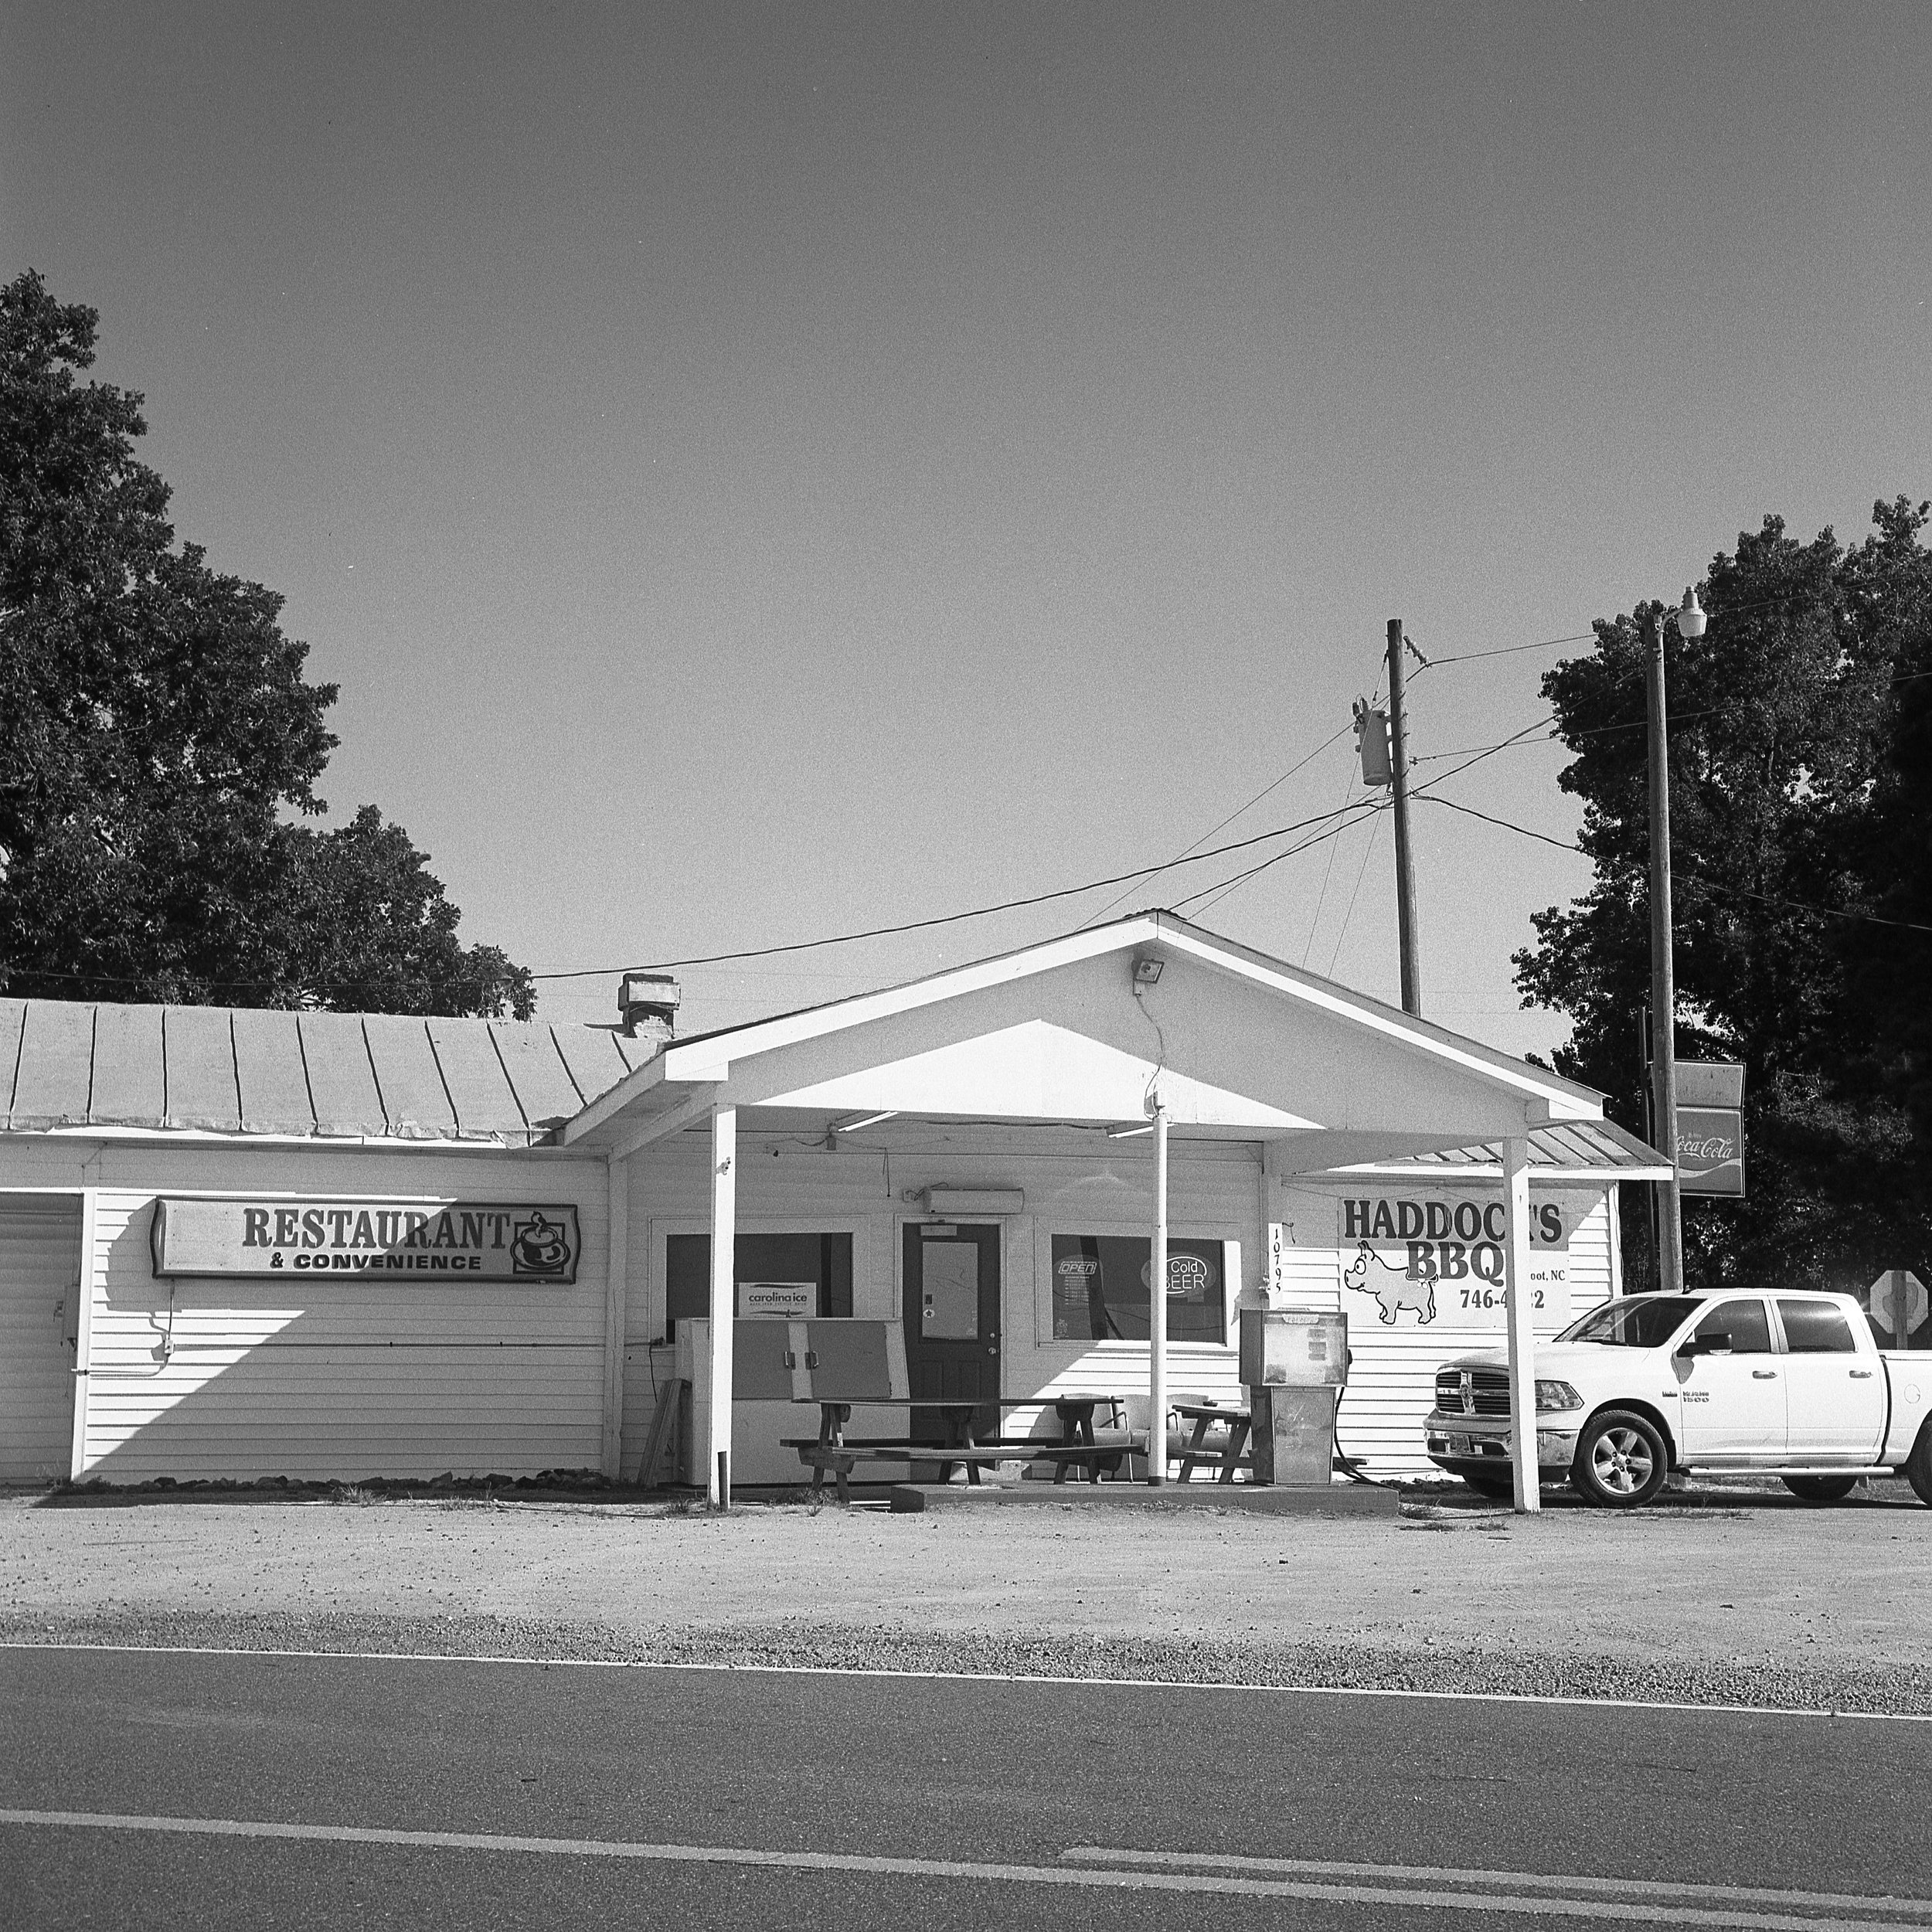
(1294, 1363)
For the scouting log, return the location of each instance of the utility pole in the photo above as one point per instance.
(1405, 869)
(1663, 972)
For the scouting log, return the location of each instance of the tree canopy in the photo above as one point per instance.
(1801, 771)
(159, 745)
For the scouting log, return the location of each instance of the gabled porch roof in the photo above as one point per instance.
(1241, 1046)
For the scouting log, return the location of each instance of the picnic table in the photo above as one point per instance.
(1077, 1448)
(1232, 1455)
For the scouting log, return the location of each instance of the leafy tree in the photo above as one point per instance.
(1799, 785)
(372, 929)
(157, 734)
(1888, 969)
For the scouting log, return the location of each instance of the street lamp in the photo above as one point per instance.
(1690, 620)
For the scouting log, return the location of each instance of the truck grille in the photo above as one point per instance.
(1472, 1392)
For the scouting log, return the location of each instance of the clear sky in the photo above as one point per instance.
(758, 472)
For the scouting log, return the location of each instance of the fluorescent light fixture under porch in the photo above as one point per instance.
(1127, 1133)
(868, 1120)
(971, 1203)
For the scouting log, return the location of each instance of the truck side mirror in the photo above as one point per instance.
(1717, 1342)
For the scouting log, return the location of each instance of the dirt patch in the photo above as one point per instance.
(1732, 1599)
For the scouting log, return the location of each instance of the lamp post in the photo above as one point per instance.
(1690, 620)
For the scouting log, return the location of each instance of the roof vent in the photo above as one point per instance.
(648, 1000)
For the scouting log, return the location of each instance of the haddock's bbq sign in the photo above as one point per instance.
(394, 1241)
(1439, 1257)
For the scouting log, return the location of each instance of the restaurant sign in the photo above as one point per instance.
(1439, 1258)
(393, 1240)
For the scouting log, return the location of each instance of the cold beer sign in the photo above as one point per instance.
(392, 1240)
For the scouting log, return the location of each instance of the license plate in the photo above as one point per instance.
(1461, 1446)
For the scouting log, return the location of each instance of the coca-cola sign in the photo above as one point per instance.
(1710, 1150)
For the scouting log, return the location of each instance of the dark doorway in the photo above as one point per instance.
(952, 1322)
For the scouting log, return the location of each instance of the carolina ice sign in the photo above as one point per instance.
(781, 1301)
(476, 1240)
(1437, 1258)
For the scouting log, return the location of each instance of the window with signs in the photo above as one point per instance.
(779, 1273)
(1101, 1289)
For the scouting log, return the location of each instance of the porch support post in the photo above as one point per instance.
(84, 1290)
(1157, 1310)
(724, 1239)
(1522, 1334)
(616, 1290)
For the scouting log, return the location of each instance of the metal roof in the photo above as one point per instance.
(249, 1070)
(1597, 1149)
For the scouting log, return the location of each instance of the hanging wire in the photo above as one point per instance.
(1275, 785)
(1327, 872)
(1362, 874)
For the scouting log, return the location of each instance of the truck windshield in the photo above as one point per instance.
(1647, 1322)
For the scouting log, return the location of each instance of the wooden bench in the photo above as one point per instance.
(837, 1456)
(833, 1452)
(843, 1365)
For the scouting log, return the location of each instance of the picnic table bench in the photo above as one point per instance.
(1229, 1456)
(843, 1365)
(833, 1452)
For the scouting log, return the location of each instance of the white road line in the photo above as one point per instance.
(1596, 1911)
(983, 1677)
(1458, 1875)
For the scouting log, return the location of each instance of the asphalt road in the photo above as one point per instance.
(151, 1788)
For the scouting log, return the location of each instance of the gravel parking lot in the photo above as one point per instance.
(1728, 1595)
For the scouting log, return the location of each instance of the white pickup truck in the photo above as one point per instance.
(1793, 1385)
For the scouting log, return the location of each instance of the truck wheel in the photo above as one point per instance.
(1619, 1462)
(1820, 1488)
(1918, 1466)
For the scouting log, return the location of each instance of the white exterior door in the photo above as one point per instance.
(1733, 1405)
(1834, 1395)
(39, 1274)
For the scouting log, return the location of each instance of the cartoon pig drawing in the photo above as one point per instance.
(1393, 1289)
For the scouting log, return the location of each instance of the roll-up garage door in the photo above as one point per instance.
(39, 1272)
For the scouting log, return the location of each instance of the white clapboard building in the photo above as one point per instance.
(240, 1244)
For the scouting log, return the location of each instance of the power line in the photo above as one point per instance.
(944, 918)
(1470, 811)
(1598, 731)
(1476, 758)
(1362, 874)
(1328, 873)
(1211, 895)
(1510, 650)
(1222, 826)
(1703, 878)
(1349, 815)
(1589, 637)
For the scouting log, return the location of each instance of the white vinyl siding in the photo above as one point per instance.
(39, 1274)
(344, 1377)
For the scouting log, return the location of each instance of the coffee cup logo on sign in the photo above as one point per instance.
(540, 1247)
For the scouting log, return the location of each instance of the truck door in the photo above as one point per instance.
(1835, 1392)
(1732, 1402)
